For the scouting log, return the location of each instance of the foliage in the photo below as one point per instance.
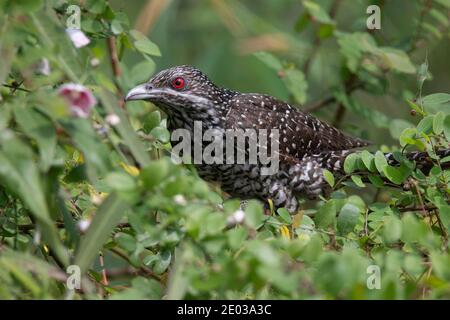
(104, 195)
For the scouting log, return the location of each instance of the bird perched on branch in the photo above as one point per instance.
(306, 145)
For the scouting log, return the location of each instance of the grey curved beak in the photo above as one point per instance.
(139, 92)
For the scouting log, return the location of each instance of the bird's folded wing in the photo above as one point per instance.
(300, 133)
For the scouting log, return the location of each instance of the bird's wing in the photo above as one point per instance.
(300, 133)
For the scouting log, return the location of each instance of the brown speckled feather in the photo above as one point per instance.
(300, 133)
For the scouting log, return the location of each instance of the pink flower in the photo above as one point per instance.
(80, 99)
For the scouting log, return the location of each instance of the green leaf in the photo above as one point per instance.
(445, 3)
(120, 181)
(144, 45)
(116, 27)
(329, 178)
(25, 5)
(369, 160)
(380, 161)
(317, 12)
(141, 71)
(353, 45)
(326, 215)
(160, 133)
(106, 218)
(398, 126)
(20, 175)
(126, 241)
(254, 215)
(96, 6)
(236, 237)
(436, 102)
(269, 60)
(350, 163)
(376, 181)
(447, 127)
(438, 122)
(440, 264)
(85, 138)
(439, 16)
(154, 173)
(125, 129)
(408, 137)
(422, 75)
(392, 229)
(348, 218)
(141, 289)
(432, 30)
(159, 262)
(40, 128)
(358, 181)
(295, 81)
(425, 125)
(284, 214)
(152, 120)
(397, 60)
(397, 174)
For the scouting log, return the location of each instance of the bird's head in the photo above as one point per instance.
(179, 89)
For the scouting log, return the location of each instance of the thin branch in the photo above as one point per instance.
(419, 194)
(102, 265)
(15, 87)
(114, 57)
(144, 270)
(407, 209)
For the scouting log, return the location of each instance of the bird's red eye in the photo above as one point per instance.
(178, 83)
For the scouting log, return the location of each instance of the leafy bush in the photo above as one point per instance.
(96, 188)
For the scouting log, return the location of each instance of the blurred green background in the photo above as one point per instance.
(220, 37)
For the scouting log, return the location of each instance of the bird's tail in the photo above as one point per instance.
(334, 161)
(421, 158)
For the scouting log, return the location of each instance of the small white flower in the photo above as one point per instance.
(43, 67)
(112, 119)
(78, 38)
(37, 236)
(236, 218)
(83, 225)
(179, 199)
(95, 62)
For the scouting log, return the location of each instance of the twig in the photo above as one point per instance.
(340, 112)
(366, 218)
(15, 87)
(443, 228)
(114, 58)
(406, 209)
(339, 115)
(28, 227)
(102, 265)
(142, 269)
(425, 212)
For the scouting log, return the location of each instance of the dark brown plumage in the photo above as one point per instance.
(306, 144)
